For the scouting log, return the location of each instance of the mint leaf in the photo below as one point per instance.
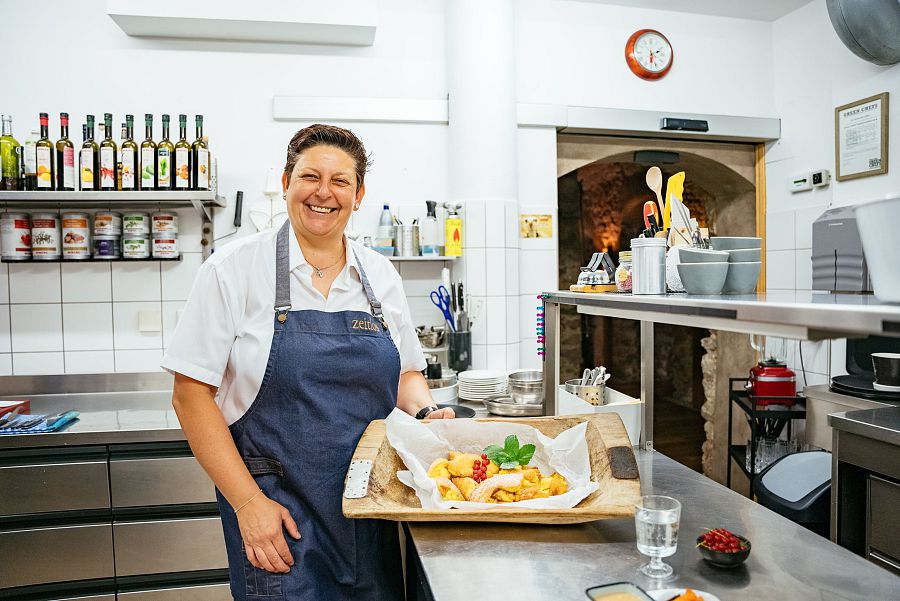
(511, 445)
(525, 454)
(509, 465)
(496, 454)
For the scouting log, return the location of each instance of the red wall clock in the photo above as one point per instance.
(648, 54)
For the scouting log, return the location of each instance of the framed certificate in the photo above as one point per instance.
(861, 138)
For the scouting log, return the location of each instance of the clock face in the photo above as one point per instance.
(649, 54)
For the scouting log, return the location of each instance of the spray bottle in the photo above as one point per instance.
(453, 230)
(429, 230)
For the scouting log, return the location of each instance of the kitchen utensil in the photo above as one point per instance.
(440, 298)
(673, 259)
(601, 377)
(674, 188)
(649, 276)
(24, 424)
(594, 395)
(741, 278)
(744, 255)
(735, 242)
(526, 386)
(654, 182)
(598, 593)
(459, 354)
(408, 241)
(703, 278)
(656, 520)
(651, 216)
(502, 404)
(461, 411)
(444, 390)
(4, 420)
(887, 371)
(586, 377)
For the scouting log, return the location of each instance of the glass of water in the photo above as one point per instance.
(656, 520)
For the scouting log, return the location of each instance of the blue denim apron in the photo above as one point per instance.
(328, 375)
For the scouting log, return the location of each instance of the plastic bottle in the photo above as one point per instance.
(429, 230)
(385, 227)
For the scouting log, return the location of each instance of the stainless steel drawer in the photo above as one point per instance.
(44, 555)
(44, 487)
(209, 592)
(155, 547)
(163, 481)
(109, 597)
(884, 515)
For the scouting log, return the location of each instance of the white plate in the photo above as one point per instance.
(667, 593)
(885, 387)
(481, 374)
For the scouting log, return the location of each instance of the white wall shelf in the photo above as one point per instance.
(336, 22)
(423, 258)
(102, 200)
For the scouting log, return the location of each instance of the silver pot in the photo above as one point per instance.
(526, 387)
(595, 395)
(430, 337)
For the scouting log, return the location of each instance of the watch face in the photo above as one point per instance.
(652, 52)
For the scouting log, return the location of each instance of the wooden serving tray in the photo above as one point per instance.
(613, 466)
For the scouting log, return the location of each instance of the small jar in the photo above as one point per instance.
(623, 272)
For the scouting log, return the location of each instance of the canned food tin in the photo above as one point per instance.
(46, 235)
(165, 247)
(164, 223)
(15, 236)
(135, 247)
(107, 223)
(76, 236)
(107, 247)
(136, 224)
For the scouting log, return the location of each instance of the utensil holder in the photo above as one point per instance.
(592, 394)
(460, 353)
(408, 241)
(649, 264)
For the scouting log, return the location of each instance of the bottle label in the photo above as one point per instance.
(164, 167)
(44, 168)
(107, 168)
(148, 170)
(87, 169)
(68, 168)
(203, 169)
(30, 158)
(182, 177)
(128, 169)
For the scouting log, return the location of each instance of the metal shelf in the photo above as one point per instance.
(424, 258)
(112, 199)
(91, 260)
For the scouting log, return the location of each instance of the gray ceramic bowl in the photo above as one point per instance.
(741, 278)
(744, 255)
(733, 243)
(703, 278)
(701, 255)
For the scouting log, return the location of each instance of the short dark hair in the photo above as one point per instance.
(329, 135)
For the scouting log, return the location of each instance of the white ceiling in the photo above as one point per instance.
(760, 10)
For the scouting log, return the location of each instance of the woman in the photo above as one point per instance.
(290, 344)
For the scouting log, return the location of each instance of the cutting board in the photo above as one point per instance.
(613, 466)
(592, 288)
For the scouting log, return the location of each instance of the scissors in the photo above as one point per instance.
(441, 299)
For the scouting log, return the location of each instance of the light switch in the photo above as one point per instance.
(149, 321)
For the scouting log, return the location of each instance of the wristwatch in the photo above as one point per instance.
(425, 412)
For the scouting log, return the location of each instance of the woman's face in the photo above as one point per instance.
(321, 191)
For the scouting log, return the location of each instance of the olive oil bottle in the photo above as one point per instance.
(44, 151)
(129, 156)
(164, 153)
(182, 156)
(200, 159)
(90, 159)
(108, 156)
(10, 157)
(65, 156)
(148, 156)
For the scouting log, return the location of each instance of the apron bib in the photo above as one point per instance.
(328, 375)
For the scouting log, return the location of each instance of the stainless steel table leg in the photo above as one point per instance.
(646, 385)
(551, 357)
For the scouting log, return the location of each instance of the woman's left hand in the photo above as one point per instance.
(445, 413)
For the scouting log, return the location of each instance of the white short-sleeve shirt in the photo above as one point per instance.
(225, 330)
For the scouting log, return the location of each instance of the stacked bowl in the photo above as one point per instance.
(744, 263)
(732, 266)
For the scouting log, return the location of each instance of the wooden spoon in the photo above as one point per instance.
(654, 182)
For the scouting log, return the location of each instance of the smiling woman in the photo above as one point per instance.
(261, 356)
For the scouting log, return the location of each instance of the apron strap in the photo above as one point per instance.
(374, 303)
(282, 272)
(283, 280)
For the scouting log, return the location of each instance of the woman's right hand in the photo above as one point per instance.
(262, 523)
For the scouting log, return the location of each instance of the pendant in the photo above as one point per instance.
(319, 273)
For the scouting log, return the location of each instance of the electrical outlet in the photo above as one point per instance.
(822, 177)
(800, 183)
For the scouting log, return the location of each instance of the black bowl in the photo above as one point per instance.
(460, 410)
(725, 560)
(887, 368)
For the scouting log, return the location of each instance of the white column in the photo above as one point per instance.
(482, 169)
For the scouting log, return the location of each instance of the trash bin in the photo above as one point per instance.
(798, 486)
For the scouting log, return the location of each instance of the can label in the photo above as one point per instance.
(136, 248)
(15, 238)
(165, 248)
(107, 249)
(107, 225)
(45, 235)
(136, 224)
(165, 224)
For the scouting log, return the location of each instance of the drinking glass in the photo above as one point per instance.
(656, 520)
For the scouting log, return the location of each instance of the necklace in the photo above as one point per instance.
(321, 272)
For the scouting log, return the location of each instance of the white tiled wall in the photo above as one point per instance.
(83, 317)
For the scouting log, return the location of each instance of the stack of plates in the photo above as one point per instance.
(479, 384)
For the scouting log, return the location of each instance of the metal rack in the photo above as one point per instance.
(750, 405)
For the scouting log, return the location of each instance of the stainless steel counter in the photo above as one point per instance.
(493, 561)
(879, 424)
(106, 418)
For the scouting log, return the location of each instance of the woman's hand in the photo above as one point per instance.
(445, 413)
(262, 523)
